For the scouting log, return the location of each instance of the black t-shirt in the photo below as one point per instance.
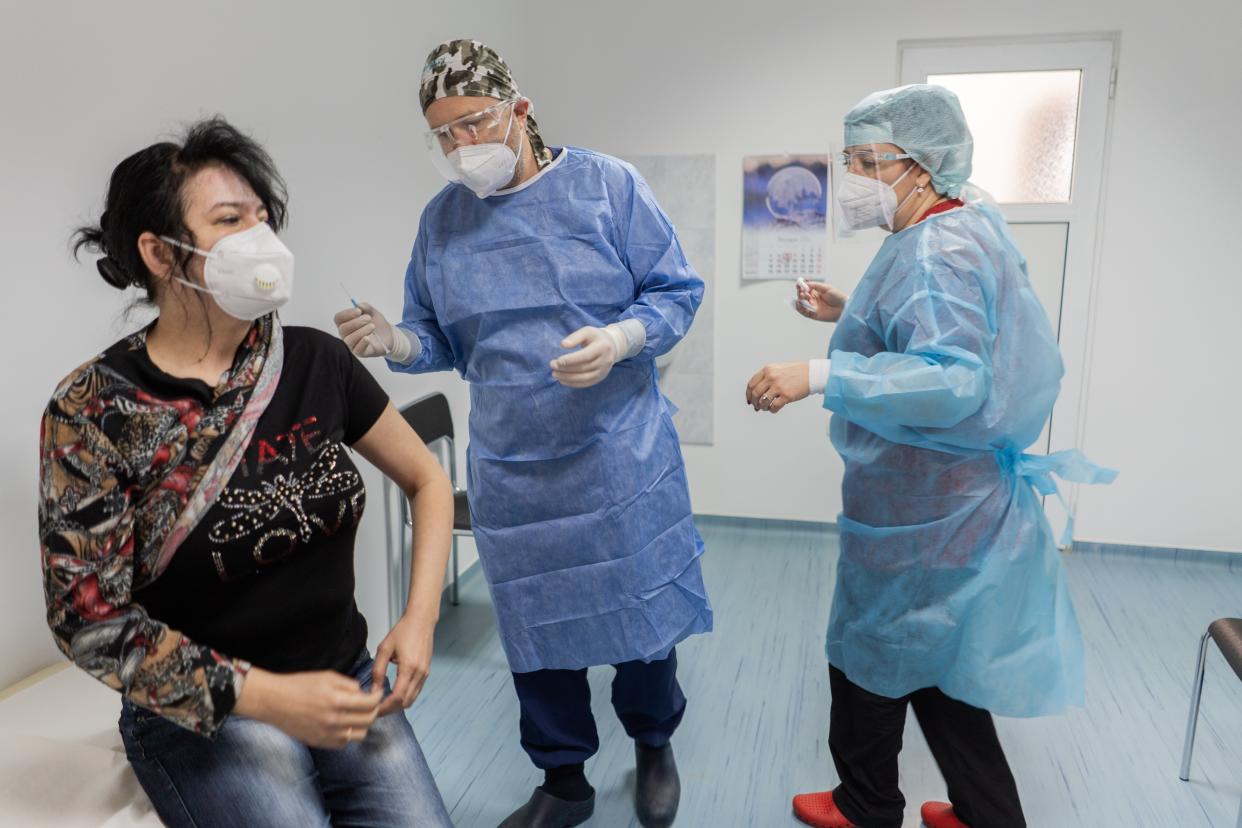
(268, 573)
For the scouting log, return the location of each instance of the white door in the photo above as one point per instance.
(1044, 244)
(1039, 110)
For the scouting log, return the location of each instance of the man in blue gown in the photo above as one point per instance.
(551, 280)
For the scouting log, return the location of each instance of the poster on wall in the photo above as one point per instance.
(784, 216)
(685, 188)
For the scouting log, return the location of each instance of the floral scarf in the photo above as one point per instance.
(125, 476)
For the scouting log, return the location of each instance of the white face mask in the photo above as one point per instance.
(485, 168)
(249, 274)
(868, 202)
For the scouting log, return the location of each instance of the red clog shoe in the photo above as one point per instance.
(940, 815)
(819, 810)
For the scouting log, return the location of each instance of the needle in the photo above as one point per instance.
(352, 301)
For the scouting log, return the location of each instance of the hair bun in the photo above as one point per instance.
(112, 273)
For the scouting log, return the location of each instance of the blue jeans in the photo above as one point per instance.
(557, 726)
(254, 774)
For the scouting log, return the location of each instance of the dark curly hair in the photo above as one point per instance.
(146, 193)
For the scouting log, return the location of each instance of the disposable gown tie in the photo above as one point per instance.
(1038, 470)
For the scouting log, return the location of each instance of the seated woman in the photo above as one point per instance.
(198, 510)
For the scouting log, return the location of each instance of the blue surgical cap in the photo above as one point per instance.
(926, 121)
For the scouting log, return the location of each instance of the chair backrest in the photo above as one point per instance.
(1227, 633)
(430, 418)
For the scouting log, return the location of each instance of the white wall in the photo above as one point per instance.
(332, 94)
(1166, 385)
(1165, 388)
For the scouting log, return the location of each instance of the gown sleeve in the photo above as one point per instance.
(669, 289)
(937, 367)
(418, 319)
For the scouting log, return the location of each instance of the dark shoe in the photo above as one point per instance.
(658, 791)
(546, 811)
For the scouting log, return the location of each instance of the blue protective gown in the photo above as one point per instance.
(578, 497)
(944, 368)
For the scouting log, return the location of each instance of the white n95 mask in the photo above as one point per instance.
(485, 168)
(249, 274)
(868, 202)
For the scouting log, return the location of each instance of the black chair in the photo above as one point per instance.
(432, 420)
(1227, 633)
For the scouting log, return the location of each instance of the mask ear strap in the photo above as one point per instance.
(187, 282)
(509, 129)
(204, 253)
(904, 173)
(918, 188)
(199, 288)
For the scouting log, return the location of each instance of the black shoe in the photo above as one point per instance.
(659, 788)
(546, 811)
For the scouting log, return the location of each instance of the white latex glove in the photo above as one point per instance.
(598, 350)
(368, 334)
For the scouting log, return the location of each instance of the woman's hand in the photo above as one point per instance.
(777, 385)
(322, 709)
(409, 646)
(823, 303)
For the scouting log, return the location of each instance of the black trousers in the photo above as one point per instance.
(865, 739)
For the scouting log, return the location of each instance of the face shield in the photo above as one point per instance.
(863, 180)
(487, 126)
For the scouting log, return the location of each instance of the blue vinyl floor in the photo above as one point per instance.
(756, 727)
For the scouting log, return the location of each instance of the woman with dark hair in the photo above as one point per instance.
(198, 510)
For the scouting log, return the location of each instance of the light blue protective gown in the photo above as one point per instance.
(578, 497)
(944, 369)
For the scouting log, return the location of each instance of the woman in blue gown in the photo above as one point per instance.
(950, 593)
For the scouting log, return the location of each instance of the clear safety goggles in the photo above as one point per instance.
(487, 126)
(482, 127)
(866, 160)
